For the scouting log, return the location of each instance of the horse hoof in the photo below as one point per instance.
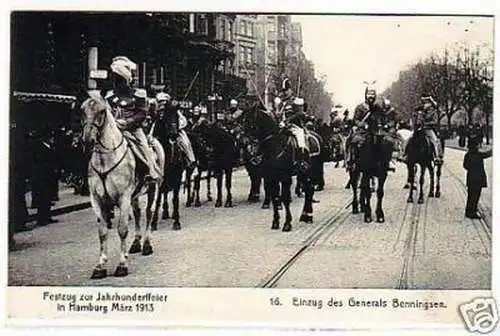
(380, 219)
(368, 219)
(147, 249)
(209, 198)
(218, 204)
(136, 247)
(348, 186)
(275, 226)
(355, 210)
(99, 273)
(176, 226)
(154, 226)
(121, 271)
(306, 218)
(430, 194)
(279, 207)
(228, 204)
(420, 201)
(188, 204)
(409, 200)
(197, 204)
(287, 228)
(265, 206)
(407, 186)
(165, 215)
(438, 194)
(253, 199)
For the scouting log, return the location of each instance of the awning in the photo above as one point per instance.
(46, 97)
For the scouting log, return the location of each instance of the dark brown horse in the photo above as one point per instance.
(278, 166)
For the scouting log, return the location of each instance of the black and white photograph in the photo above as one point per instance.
(265, 169)
(168, 149)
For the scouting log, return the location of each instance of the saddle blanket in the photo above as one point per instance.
(313, 144)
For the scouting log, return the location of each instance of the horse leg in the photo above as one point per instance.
(196, 189)
(307, 210)
(218, 176)
(298, 187)
(379, 212)
(175, 205)
(408, 183)
(274, 189)
(411, 182)
(189, 201)
(154, 223)
(267, 195)
(438, 180)
(209, 193)
(136, 244)
(431, 180)
(353, 181)
(366, 198)
(122, 228)
(286, 197)
(152, 196)
(104, 223)
(229, 196)
(421, 182)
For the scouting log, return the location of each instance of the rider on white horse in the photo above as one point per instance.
(130, 109)
(182, 139)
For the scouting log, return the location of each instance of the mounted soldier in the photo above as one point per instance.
(130, 109)
(429, 112)
(166, 105)
(367, 117)
(292, 110)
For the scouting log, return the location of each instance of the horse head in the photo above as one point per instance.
(95, 110)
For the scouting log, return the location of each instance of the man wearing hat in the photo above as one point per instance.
(429, 108)
(130, 109)
(164, 102)
(369, 112)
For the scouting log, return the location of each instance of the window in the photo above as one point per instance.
(271, 53)
(242, 27)
(242, 54)
(202, 24)
(272, 26)
(230, 32)
(222, 31)
(250, 29)
(249, 55)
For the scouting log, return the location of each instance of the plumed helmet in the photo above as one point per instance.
(370, 90)
(286, 85)
(123, 67)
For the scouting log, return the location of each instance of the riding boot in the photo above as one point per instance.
(392, 166)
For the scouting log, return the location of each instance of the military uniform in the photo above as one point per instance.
(130, 111)
(431, 120)
(368, 116)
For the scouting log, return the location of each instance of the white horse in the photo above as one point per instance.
(115, 182)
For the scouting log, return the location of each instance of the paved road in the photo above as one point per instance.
(420, 246)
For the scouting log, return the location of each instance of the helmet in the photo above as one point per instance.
(370, 93)
(298, 101)
(387, 104)
(233, 103)
(123, 67)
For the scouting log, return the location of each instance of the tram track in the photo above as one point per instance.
(415, 221)
(328, 227)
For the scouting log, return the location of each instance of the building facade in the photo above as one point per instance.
(245, 49)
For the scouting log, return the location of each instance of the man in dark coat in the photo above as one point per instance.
(44, 168)
(476, 176)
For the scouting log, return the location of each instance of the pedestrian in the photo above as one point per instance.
(43, 178)
(476, 176)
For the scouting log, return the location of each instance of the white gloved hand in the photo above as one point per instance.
(281, 124)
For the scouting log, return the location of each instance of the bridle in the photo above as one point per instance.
(100, 148)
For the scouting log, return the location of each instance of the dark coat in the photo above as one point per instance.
(473, 163)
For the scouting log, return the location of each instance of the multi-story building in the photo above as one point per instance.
(245, 49)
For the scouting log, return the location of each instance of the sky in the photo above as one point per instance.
(352, 49)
